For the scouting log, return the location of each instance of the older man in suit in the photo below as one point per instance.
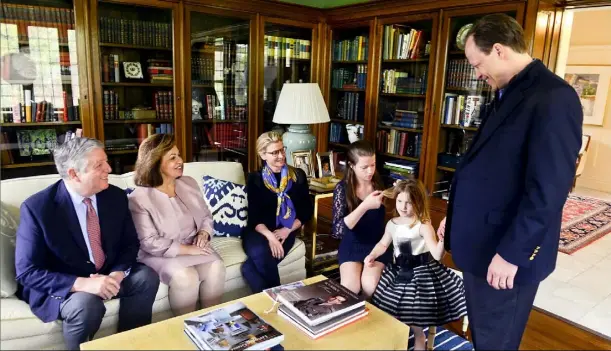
(77, 246)
(507, 195)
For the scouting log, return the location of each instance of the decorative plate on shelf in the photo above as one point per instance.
(461, 37)
(133, 70)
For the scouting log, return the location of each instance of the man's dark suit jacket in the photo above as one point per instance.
(508, 192)
(51, 251)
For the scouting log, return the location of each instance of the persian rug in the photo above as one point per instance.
(584, 220)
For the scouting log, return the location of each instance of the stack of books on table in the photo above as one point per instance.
(320, 308)
(233, 327)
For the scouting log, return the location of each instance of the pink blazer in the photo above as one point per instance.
(157, 227)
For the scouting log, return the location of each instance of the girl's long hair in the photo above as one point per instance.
(360, 148)
(417, 196)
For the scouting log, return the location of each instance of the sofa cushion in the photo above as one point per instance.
(228, 204)
(18, 321)
(8, 229)
(232, 253)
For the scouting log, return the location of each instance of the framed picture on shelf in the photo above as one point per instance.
(325, 164)
(303, 160)
(592, 85)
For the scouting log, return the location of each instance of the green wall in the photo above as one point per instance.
(323, 4)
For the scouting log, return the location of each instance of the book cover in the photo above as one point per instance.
(233, 327)
(272, 293)
(321, 301)
(325, 328)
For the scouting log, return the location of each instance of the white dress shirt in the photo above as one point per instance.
(81, 213)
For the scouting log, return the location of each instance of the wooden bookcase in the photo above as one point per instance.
(456, 100)
(244, 96)
(404, 72)
(44, 92)
(134, 65)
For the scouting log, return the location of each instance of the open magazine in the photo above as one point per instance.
(233, 327)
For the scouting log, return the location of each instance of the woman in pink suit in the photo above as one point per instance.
(174, 225)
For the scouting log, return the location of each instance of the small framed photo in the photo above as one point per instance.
(325, 164)
(303, 160)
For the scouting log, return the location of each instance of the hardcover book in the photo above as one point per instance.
(321, 301)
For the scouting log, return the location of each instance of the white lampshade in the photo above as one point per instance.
(301, 103)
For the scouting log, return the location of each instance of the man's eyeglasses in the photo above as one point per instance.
(276, 153)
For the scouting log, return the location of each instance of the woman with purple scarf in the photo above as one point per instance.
(278, 205)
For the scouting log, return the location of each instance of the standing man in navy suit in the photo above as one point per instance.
(507, 195)
(77, 246)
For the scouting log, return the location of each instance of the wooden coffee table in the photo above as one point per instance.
(377, 331)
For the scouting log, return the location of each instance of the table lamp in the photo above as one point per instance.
(299, 105)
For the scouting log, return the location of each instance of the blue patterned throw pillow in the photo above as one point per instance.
(229, 206)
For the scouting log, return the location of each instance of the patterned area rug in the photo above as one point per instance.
(584, 220)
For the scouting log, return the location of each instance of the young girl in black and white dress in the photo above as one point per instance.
(416, 288)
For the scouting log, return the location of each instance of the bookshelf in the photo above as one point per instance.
(459, 95)
(287, 58)
(350, 45)
(404, 94)
(136, 78)
(40, 95)
(219, 110)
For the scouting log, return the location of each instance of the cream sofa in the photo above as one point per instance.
(20, 329)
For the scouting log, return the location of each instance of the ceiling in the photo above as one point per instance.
(325, 4)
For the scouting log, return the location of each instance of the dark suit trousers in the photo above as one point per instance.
(260, 270)
(82, 312)
(497, 318)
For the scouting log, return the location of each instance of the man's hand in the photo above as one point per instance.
(201, 239)
(281, 234)
(104, 286)
(501, 273)
(441, 231)
(118, 276)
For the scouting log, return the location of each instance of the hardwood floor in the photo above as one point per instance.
(547, 332)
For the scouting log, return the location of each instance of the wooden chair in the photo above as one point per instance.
(581, 158)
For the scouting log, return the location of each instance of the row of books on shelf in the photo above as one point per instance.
(148, 129)
(346, 78)
(220, 106)
(163, 107)
(461, 75)
(351, 106)
(223, 135)
(135, 32)
(202, 70)
(401, 169)
(463, 110)
(27, 110)
(24, 16)
(399, 143)
(356, 49)
(400, 82)
(338, 133)
(110, 68)
(407, 119)
(402, 42)
(159, 70)
(279, 51)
